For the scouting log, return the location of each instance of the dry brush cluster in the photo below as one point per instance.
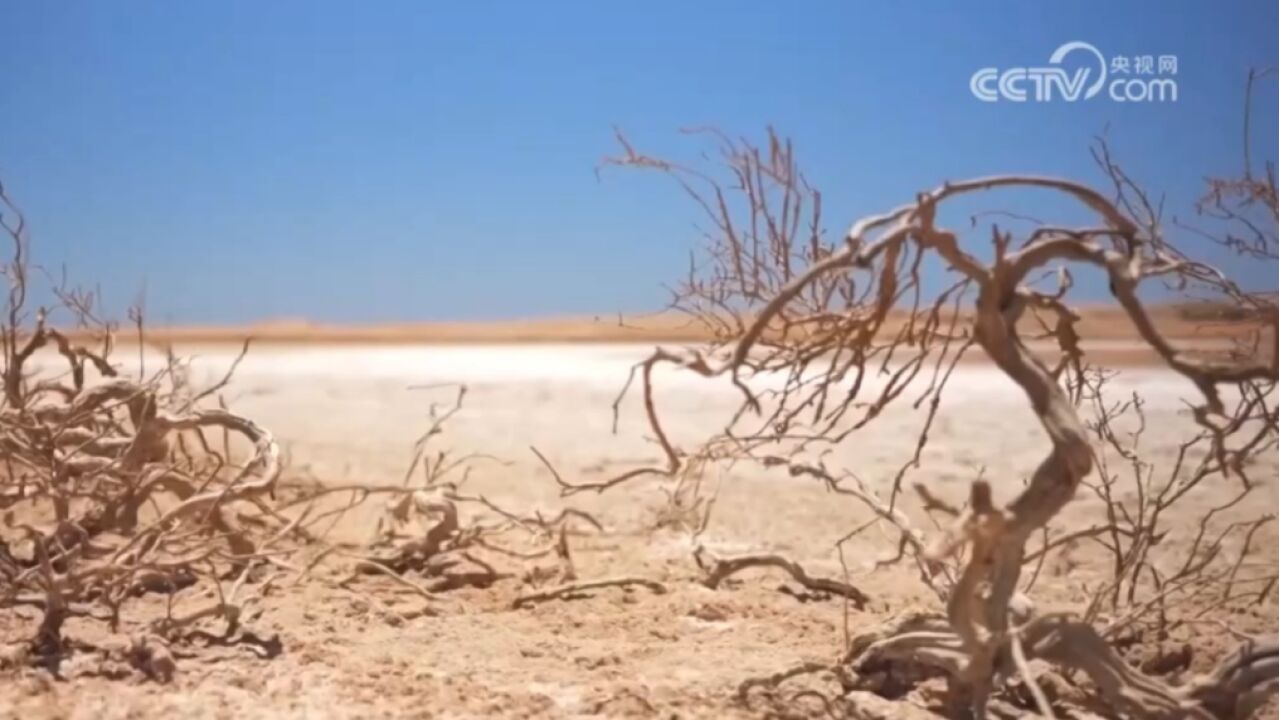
(135, 502)
(821, 336)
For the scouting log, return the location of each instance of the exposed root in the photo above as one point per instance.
(719, 569)
(569, 591)
(365, 566)
(772, 681)
(1240, 683)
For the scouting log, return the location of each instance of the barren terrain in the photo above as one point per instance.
(348, 412)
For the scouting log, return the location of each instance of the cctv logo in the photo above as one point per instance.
(1053, 82)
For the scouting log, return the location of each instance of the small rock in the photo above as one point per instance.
(13, 656)
(151, 655)
(1168, 658)
(709, 612)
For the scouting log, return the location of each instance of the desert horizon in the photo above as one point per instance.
(1108, 336)
(1098, 319)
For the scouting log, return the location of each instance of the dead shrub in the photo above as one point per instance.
(822, 335)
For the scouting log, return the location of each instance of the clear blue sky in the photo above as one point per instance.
(397, 161)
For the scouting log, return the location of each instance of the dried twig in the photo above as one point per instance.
(719, 569)
(573, 589)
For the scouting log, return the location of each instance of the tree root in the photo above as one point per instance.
(719, 569)
(373, 566)
(772, 681)
(571, 590)
(919, 646)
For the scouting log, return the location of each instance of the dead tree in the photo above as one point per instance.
(851, 326)
(117, 483)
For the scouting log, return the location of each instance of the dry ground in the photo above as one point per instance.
(349, 412)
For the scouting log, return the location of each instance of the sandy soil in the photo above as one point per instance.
(347, 412)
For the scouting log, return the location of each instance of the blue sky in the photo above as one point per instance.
(398, 161)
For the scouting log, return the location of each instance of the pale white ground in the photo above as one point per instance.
(352, 412)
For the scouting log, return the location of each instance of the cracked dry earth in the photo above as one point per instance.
(346, 413)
